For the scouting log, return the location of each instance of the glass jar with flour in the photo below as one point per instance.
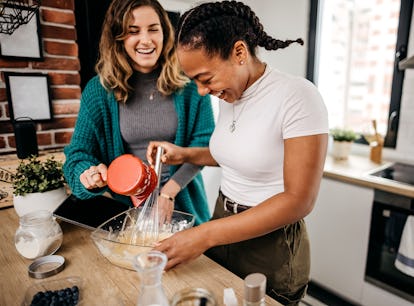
(38, 235)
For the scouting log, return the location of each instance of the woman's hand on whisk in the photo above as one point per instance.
(183, 246)
(173, 155)
(94, 176)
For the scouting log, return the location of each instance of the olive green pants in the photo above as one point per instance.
(283, 256)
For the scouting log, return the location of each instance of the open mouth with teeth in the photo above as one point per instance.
(219, 93)
(145, 51)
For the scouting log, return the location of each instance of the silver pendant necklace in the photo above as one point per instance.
(151, 84)
(152, 94)
(232, 126)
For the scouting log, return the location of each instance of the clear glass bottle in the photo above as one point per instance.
(150, 266)
(254, 290)
(38, 234)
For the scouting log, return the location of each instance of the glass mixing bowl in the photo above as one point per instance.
(120, 238)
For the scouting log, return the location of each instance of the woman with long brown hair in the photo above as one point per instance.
(139, 94)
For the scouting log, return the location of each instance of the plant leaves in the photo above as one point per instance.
(33, 175)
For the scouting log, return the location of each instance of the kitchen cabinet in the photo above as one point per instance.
(338, 230)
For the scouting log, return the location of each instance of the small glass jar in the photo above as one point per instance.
(38, 235)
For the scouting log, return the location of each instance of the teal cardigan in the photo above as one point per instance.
(97, 139)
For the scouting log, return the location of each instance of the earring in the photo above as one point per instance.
(241, 62)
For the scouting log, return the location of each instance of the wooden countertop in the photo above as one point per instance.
(103, 282)
(356, 169)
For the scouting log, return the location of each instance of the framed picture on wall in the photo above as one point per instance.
(28, 95)
(25, 40)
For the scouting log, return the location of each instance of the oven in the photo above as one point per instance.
(388, 220)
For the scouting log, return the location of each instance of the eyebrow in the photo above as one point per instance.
(151, 25)
(201, 74)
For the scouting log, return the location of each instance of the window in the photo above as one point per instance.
(354, 50)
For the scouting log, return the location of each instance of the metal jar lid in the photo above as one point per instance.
(128, 175)
(46, 266)
(193, 296)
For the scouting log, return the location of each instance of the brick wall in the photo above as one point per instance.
(61, 63)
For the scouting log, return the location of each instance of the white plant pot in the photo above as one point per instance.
(341, 149)
(30, 202)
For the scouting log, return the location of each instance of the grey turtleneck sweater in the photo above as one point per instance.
(149, 115)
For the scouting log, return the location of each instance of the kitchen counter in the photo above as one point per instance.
(103, 283)
(356, 169)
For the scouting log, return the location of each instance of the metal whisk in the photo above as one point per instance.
(146, 228)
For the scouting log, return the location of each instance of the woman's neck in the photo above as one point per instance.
(257, 70)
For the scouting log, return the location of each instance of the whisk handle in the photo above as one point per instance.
(158, 165)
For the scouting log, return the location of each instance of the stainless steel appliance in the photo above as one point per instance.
(399, 172)
(389, 214)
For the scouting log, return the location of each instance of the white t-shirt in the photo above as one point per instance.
(276, 107)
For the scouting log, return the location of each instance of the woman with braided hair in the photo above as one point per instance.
(270, 141)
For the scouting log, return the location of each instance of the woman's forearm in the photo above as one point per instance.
(176, 155)
(199, 156)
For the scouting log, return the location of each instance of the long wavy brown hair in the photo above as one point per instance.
(114, 66)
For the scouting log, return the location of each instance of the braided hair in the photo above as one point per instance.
(216, 26)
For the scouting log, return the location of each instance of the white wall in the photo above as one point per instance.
(282, 20)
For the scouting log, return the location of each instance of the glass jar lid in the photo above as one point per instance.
(194, 296)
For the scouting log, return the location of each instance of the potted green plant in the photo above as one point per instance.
(342, 142)
(38, 185)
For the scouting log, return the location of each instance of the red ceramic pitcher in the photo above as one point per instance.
(129, 175)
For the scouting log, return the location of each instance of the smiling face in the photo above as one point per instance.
(144, 42)
(226, 79)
